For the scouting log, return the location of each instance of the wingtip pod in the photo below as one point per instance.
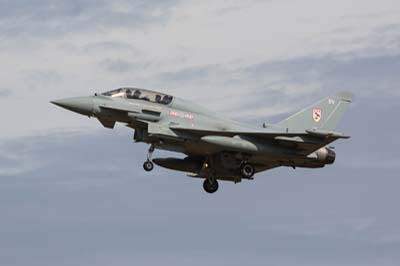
(345, 96)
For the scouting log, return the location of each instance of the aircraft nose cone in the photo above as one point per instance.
(81, 105)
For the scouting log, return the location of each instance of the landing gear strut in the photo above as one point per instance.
(148, 165)
(210, 185)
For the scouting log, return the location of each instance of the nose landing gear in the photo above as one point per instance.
(148, 165)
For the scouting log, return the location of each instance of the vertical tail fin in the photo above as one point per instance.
(324, 114)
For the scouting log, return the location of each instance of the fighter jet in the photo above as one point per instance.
(217, 148)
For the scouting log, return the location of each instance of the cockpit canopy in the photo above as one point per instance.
(140, 94)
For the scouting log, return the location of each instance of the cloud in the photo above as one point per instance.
(109, 46)
(4, 93)
(55, 18)
(116, 65)
(270, 88)
(363, 75)
(36, 80)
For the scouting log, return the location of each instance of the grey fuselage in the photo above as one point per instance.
(173, 124)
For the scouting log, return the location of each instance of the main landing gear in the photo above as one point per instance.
(148, 165)
(210, 185)
(247, 170)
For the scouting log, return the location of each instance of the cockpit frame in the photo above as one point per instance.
(140, 94)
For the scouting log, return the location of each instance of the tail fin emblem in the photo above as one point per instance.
(317, 114)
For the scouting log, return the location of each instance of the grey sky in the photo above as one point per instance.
(74, 193)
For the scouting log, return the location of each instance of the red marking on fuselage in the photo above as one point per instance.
(181, 115)
(174, 113)
(188, 116)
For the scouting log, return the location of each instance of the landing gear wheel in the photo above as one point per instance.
(247, 170)
(148, 166)
(210, 187)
